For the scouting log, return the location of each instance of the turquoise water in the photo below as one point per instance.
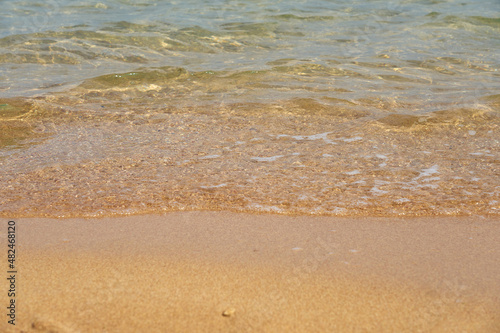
(440, 51)
(325, 107)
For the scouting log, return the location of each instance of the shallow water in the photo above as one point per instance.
(324, 107)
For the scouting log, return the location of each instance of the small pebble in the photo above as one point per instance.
(229, 312)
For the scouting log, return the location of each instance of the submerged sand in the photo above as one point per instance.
(228, 272)
(89, 158)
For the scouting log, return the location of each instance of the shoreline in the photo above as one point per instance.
(181, 271)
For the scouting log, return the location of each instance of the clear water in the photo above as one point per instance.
(316, 107)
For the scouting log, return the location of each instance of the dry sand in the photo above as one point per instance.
(228, 272)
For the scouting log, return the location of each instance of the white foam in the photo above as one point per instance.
(431, 179)
(263, 208)
(267, 159)
(428, 172)
(320, 136)
(214, 186)
(375, 190)
(354, 172)
(356, 138)
(209, 157)
(425, 185)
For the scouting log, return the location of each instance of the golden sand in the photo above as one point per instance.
(226, 272)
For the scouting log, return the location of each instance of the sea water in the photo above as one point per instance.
(312, 107)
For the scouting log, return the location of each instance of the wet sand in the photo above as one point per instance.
(229, 272)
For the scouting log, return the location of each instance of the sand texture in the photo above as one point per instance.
(228, 272)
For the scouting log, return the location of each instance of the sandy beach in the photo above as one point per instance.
(250, 166)
(229, 272)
